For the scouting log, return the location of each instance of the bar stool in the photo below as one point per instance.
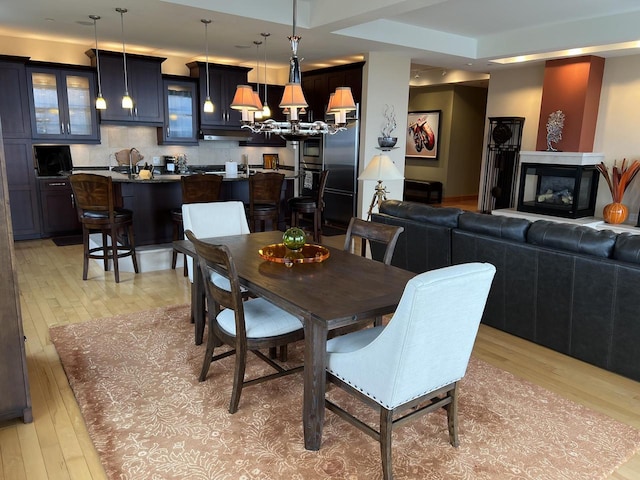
(307, 204)
(197, 188)
(265, 190)
(93, 195)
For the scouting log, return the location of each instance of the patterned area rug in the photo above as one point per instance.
(135, 378)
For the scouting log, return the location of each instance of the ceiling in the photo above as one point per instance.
(447, 34)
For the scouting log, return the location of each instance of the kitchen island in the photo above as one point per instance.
(152, 201)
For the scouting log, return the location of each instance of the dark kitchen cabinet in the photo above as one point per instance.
(15, 400)
(58, 207)
(23, 194)
(144, 79)
(274, 95)
(223, 80)
(61, 102)
(14, 98)
(181, 112)
(319, 84)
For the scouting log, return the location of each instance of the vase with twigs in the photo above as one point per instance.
(618, 181)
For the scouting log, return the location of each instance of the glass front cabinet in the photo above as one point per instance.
(180, 111)
(62, 104)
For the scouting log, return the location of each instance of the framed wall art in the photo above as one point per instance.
(270, 161)
(423, 134)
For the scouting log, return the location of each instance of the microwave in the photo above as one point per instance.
(312, 147)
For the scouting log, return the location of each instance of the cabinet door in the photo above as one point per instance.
(180, 120)
(14, 101)
(22, 189)
(62, 105)
(58, 207)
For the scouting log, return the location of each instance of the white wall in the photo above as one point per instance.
(518, 92)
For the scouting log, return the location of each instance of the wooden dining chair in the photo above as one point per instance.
(413, 365)
(246, 326)
(382, 238)
(93, 195)
(310, 204)
(265, 191)
(197, 188)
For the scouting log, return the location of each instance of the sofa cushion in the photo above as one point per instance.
(445, 216)
(627, 248)
(495, 226)
(572, 238)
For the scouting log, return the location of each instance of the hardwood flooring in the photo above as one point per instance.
(56, 445)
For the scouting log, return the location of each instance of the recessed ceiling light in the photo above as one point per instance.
(242, 46)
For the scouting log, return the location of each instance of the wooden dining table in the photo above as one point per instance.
(339, 291)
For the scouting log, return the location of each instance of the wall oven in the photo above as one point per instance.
(311, 166)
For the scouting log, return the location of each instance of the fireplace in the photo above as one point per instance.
(567, 188)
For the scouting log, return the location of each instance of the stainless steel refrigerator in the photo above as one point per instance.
(340, 156)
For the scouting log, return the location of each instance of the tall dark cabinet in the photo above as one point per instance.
(15, 400)
(501, 167)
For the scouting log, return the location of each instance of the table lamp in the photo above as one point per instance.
(380, 168)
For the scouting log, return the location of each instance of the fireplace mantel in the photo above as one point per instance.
(562, 158)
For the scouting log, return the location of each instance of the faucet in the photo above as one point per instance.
(131, 161)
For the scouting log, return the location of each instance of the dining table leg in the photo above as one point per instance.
(315, 359)
(198, 306)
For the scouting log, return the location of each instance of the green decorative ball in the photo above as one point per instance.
(294, 238)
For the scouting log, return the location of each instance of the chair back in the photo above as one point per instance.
(265, 189)
(382, 238)
(428, 341)
(92, 192)
(201, 188)
(213, 259)
(214, 219)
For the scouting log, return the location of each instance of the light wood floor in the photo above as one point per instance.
(56, 445)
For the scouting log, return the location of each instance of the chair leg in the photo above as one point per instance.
(132, 245)
(208, 354)
(114, 253)
(238, 379)
(85, 242)
(386, 426)
(452, 416)
(174, 254)
(105, 257)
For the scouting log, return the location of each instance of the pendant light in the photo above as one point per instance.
(258, 113)
(101, 103)
(208, 104)
(266, 111)
(127, 101)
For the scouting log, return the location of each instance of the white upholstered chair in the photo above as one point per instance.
(415, 362)
(244, 325)
(214, 219)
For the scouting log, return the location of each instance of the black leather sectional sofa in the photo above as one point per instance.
(570, 288)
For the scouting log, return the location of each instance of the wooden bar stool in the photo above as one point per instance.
(265, 191)
(310, 204)
(197, 188)
(96, 211)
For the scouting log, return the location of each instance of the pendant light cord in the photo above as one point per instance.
(95, 31)
(206, 48)
(122, 11)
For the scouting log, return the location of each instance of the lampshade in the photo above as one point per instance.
(101, 103)
(343, 99)
(244, 98)
(208, 105)
(293, 96)
(381, 168)
(257, 103)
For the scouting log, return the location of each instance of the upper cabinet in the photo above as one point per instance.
(14, 98)
(181, 114)
(223, 80)
(144, 79)
(61, 102)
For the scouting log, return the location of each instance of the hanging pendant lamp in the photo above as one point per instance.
(101, 103)
(127, 101)
(266, 111)
(208, 104)
(257, 115)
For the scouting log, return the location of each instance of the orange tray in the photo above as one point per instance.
(278, 253)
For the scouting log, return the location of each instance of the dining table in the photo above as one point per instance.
(341, 290)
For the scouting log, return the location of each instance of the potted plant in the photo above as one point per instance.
(618, 181)
(389, 125)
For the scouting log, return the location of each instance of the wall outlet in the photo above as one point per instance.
(157, 161)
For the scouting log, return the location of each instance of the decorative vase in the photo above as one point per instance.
(615, 212)
(294, 238)
(387, 142)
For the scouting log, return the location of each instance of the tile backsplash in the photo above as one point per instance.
(115, 138)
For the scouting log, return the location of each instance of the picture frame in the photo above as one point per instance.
(423, 134)
(270, 161)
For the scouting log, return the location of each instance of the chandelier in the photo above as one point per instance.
(293, 104)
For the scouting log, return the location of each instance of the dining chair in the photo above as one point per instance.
(310, 204)
(93, 195)
(382, 238)
(265, 191)
(243, 325)
(413, 365)
(197, 188)
(213, 219)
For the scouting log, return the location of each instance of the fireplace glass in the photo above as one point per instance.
(558, 190)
